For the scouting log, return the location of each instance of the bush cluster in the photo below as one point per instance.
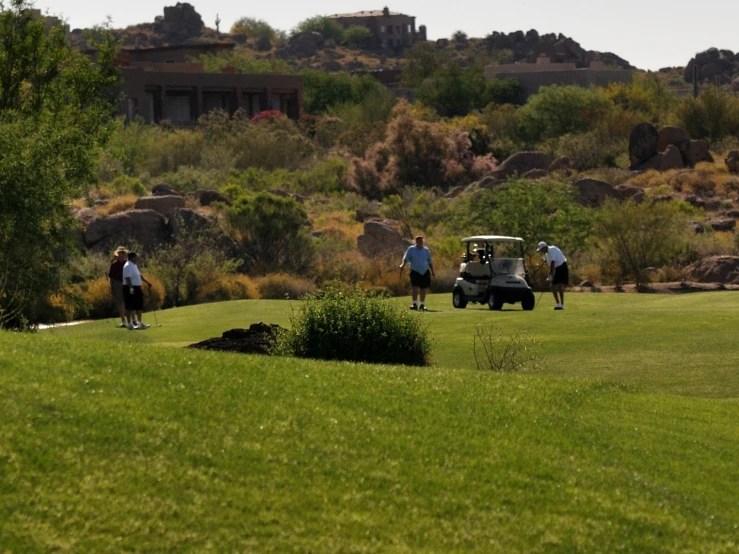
(353, 325)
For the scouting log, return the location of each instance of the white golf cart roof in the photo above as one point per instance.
(492, 238)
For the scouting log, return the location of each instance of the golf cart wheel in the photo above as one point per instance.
(458, 299)
(529, 302)
(494, 303)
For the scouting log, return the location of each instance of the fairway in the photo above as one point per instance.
(118, 441)
(678, 344)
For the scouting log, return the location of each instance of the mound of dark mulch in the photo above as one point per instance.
(257, 339)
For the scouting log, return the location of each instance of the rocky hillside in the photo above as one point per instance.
(715, 66)
(181, 24)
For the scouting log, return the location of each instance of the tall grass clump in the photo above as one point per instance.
(356, 326)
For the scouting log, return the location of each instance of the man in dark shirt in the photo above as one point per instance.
(115, 275)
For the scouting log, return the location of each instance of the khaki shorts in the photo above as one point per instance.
(117, 291)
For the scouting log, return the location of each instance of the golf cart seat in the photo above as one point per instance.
(476, 270)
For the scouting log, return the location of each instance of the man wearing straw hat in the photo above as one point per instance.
(115, 276)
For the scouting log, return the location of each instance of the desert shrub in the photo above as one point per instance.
(507, 352)
(176, 148)
(591, 150)
(241, 61)
(558, 110)
(355, 326)
(417, 153)
(646, 97)
(272, 230)
(154, 295)
(190, 179)
(713, 115)
(123, 184)
(444, 281)
(322, 24)
(453, 90)
(254, 28)
(415, 209)
(228, 287)
(638, 236)
(421, 62)
(282, 286)
(61, 306)
(99, 300)
(117, 205)
(130, 150)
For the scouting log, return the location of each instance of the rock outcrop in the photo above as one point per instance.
(732, 162)
(668, 148)
(145, 228)
(257, 339)
(643, 144)
(594, 193)
(381, 238)
(520, 164)
(165, 205)
(716, 269)
(713, 65)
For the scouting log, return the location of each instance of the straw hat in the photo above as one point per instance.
(121, 250)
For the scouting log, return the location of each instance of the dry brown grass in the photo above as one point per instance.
(117, 205)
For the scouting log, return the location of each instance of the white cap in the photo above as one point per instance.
(542, 246)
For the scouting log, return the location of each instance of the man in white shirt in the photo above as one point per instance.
(559, 274)
(422, 269)
(132, 293)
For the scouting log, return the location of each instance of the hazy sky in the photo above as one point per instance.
(649, 34)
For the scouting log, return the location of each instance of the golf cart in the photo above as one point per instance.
(493, 272)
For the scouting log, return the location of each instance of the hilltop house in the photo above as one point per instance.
(390, 30)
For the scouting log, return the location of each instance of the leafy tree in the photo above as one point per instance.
(646, 95)
(254, 28)
(357, 36)
(638, 236)
(532, 210)
(273, 231)
(421, 62)
(329, 28)
(322, 91)
(453, 91)
(557, 110)
(56, 110)
(503, 91)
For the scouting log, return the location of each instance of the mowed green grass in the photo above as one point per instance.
(117, 441)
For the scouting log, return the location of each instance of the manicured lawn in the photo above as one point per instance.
(676, 344)
(117, 441)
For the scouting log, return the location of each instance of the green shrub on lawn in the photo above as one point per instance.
(355, 326)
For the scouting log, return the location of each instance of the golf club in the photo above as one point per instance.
(156, 319)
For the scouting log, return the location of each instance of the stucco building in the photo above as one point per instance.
(533, 76)
(390, 30)
(165, 84)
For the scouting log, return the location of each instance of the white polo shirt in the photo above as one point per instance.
(554, 254)
(131, 270)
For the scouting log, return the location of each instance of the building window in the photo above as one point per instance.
(382, 29)
(408, 29)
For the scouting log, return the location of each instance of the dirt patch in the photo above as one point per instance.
(257, 339)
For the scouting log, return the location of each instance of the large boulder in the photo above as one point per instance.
(643, 144)
(727, 224)
(675, 136)
(671, 158)
(186, 224)
(631, 192)
(207, 197)
(164, 205)
(562, 165)
(146, 229)
(381, 238)
(305, 45)
(257, 339)
(697, 151)
(594, 193)
(716, 269)
(732, 161)
(163, 189)
(520, 164)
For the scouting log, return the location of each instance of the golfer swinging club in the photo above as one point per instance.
(422, 270)
(559, 275)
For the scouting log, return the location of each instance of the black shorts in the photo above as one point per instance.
(561, 275)
(422, 281)
(134, 302)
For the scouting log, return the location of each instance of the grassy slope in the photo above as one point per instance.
(107, 447)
